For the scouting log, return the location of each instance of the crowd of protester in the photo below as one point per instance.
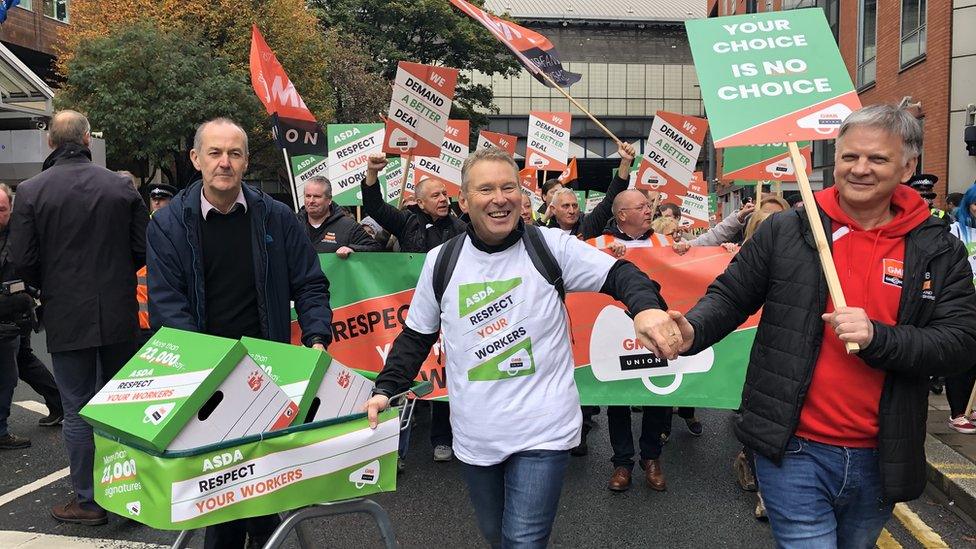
(113, 271)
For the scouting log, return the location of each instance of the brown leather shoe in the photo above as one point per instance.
(620, 481)
(654, 474)
(73, 512)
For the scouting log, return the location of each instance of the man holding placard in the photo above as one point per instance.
(838, 437)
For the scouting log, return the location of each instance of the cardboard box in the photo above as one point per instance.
(247, 402)
(297, 370)
(184, 389)
(343, 392)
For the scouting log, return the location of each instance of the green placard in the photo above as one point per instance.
(349, 148)
(770, 161)
(771, 77)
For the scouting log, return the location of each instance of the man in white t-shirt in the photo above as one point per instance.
(514, 405)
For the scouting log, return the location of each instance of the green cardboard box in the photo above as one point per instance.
(184, 390)
(165, 383)
(297, 370)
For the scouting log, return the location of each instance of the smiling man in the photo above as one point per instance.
(838, 438)
(496, 293)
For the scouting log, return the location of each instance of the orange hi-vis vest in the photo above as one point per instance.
(142, 296)
(653, 241)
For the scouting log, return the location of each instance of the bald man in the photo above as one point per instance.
(78, 232)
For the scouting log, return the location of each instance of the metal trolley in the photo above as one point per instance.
(296, 519)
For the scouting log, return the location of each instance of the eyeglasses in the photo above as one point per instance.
(644, 206)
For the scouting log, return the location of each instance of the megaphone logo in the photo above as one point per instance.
(781, 168)
(616, 354)
(134, 507)
(368, 474)
(826, 120)
(651, 180)
(538, 161)
(518, 362)
(399, 139)
(156, 413)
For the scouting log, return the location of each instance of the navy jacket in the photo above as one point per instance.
(285, 269)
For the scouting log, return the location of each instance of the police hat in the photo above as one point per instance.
(161, 190)
(922, 181)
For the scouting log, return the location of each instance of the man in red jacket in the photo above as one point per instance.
(838, 438)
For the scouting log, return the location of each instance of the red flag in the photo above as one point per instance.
(534, 51)
(569, 174)
(272, 85)
(529, 178)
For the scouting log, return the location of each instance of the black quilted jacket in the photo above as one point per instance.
(779, 271)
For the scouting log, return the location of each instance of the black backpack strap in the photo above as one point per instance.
(542, 258)
(444, 264)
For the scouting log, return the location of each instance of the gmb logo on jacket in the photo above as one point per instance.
(893, 274)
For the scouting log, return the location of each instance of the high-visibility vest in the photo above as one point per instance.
(937, 213)
(142, 296)
(653, 241)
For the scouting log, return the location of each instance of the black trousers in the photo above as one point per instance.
(957, 390)
(231, 535)
(33, 372)
(653, 421)
(440, 423)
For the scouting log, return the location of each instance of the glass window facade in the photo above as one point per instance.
(606, 89)
(912, 31)
(57, 9)
(867, 47)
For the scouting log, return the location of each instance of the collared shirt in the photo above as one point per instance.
(206, 207)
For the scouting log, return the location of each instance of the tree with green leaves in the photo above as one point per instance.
(147, 90)
(431, 32)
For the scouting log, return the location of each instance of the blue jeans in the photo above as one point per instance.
(824, 496)
(516, 500)
(8, 379)
(80, 374)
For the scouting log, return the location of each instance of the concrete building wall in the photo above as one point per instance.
(962, 167)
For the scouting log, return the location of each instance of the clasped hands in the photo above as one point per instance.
(665, 333)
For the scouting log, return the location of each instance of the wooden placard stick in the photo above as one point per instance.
(405, 160)
(655, 204)
(759, 187)
(581, 107)
(823, 245)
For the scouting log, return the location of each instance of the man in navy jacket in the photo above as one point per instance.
(225, 259)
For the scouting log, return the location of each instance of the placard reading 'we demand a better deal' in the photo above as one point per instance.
(447, 167)
(673, 146)
(419, 109)
(771, 77)
(547, 145)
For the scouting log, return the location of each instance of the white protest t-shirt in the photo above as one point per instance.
(506, 336)
(969, 240)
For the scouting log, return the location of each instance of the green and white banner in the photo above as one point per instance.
(371, 296)
(349, 148)
(313, 463)
(771, 77)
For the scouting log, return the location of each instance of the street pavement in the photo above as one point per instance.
(703, 506)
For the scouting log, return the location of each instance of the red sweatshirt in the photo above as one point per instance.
(841, 407)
